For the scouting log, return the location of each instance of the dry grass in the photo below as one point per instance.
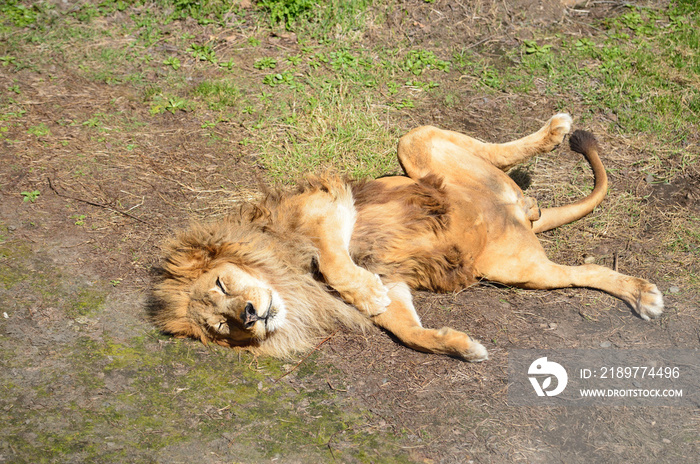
(85, 104)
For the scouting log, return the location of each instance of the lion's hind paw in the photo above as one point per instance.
(560, 125)
(477, 353)
(532, 210)
(650, 304)
(554, 131)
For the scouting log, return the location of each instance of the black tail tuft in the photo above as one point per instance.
(583, 142)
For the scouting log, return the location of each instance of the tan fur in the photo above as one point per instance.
(276, 276)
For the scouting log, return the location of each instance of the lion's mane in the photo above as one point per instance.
(258, 238)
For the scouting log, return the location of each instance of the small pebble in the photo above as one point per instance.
(589, 259)
(606, 344)
(666, 440)
(649, 178)
(674, 289)
(4, 314)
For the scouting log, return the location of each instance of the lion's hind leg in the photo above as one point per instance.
(428, 150)
(402, 320)
(525, 265)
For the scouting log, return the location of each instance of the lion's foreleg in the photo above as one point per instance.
(328, 219)
(356, 286)
(402, 320)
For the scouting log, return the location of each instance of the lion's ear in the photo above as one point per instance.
(188, 263)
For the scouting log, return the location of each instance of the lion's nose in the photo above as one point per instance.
(249, 316)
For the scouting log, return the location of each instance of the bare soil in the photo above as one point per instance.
(86, 378)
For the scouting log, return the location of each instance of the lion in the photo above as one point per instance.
(279, 274)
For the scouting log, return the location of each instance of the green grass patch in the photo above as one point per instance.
(686, 239)
(18, 14)
(640, 69)
(219, 95)
(87, 302)
(339, 132)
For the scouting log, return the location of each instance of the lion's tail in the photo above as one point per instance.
(585, 143)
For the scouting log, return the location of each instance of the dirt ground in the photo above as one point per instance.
(85, 378)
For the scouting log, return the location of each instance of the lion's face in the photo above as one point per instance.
(235, 307)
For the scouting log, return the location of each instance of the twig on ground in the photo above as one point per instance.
(99, 205)
(305, 357)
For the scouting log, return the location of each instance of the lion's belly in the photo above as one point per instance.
(414, 233)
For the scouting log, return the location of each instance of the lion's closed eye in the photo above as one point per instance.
(222, 328)
(220, 286)
(219, 325)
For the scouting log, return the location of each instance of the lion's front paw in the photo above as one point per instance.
(650, 304)
(370, 295)
(459, 344)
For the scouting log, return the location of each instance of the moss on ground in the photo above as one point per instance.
(138, 399)
(30, 282)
